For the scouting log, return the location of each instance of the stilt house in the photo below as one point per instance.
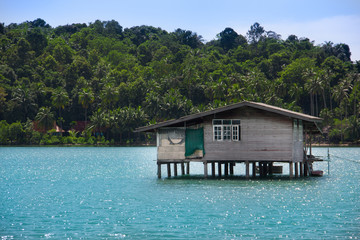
(253, 133)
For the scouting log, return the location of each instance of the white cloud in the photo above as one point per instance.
(337, 29)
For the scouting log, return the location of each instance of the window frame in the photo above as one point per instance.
(228, 128)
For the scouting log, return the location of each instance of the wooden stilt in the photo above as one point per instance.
(205, 170)
(296, 170)
(182, 168)
(226, 169)
(247, 170)
(305, 170)
(265, 169)
(254, 169)
(271, 168)
(213, 169)
(169, 170)
(175, 169)
(261, 169)
(159, 170)
(219, 169)
(232, 168)
(291, 170)
(301, 169)
(188, 168)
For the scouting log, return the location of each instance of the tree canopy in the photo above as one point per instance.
(120, 79)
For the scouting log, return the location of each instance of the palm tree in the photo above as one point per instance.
(86, 97)
(98, 120)
(59, 100)
(24, 98)
(341, 95)
(327, 76)
(109, 95)
(45, 118)
(313, 85)
(355, 79)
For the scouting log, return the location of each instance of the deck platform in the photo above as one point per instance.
(216, 168)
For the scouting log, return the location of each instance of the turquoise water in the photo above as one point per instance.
(113, 193)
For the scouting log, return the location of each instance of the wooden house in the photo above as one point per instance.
(252, 133)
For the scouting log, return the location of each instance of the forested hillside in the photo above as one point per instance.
(117, 79)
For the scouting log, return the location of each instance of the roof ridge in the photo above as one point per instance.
(258, 105)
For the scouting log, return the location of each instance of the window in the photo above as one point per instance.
(217, 133)
(226, 130)
(235, 133)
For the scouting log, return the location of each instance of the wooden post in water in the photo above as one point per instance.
(182, 168)
(226, 170)
(301, 169)
(291, 169)
(261, 169)
(175, 169)
(296, 169)
(232, 168)
(159, 170)
(168, 170)
(265, 169)
(205, 169)
(254, 169)
(219, 169)
(213, 169)
(188, 168)
(247, 170)
(271, 168)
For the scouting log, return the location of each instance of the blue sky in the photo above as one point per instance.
(318, 20)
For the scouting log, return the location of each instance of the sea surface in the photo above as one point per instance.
(114, 193)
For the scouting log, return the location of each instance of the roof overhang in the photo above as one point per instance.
(269, 108)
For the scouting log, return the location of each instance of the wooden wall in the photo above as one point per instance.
(168, 150)
(264, 136)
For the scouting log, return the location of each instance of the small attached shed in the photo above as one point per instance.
(253, 133)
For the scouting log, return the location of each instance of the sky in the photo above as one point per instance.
(337, 21)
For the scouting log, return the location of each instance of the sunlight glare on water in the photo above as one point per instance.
(113, 193)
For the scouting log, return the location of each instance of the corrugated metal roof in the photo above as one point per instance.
(262, 106)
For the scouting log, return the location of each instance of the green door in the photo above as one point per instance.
(194, 140)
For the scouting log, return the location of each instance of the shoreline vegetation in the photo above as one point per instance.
(95, 83)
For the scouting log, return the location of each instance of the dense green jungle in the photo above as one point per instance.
(114, 79)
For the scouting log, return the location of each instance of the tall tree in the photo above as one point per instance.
(341, 95)
(228, 38)
(255, 33)
(109, 95)
(45, 118)
(60, 99)
(86, 97)
(24, 100)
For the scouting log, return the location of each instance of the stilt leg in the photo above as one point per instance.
(169, 170)
(247, 170)
(261, 169)
(296, 170)
(159, 170)
(188, 168)
(254, 169)
(213, 169)
(175, 169)
(271, 168)
(226, 170)
(182, 168)
(265, 169)
(291, 170)
(205, 170)
(219, 169)
(232, 168)
(301, 169)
